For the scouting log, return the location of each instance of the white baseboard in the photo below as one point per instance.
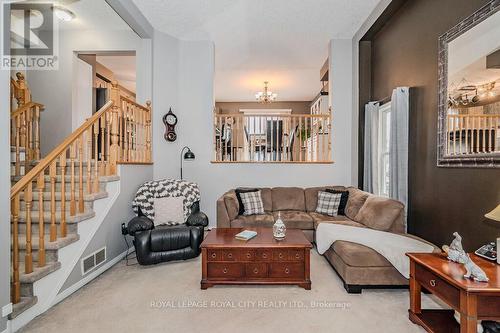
(70, 290)
(8, 329)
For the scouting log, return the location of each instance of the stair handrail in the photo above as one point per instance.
(25, 107)
(46, 161)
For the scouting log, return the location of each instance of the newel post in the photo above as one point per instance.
(148, 132)
(21, 93)
(114, 149)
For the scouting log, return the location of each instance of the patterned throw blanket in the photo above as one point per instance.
(144, 198)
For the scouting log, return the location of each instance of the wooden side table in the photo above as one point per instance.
(443, 278)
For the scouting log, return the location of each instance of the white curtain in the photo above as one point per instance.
(370, 172)
(398, 149)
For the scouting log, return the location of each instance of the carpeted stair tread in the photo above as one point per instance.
(38, 272)
(23, 305)
(57, 244)
(47, 196)
(78, 217)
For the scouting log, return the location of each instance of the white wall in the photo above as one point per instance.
(194, 109)
(54, 88)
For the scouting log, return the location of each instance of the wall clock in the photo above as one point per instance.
(170, 120)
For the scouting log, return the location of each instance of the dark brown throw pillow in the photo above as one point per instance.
(241, 208)
(343, 200)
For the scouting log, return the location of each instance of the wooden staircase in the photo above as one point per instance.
(50, 196)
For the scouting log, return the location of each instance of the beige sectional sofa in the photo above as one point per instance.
(358, 266)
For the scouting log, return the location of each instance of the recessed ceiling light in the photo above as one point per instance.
(63, 14)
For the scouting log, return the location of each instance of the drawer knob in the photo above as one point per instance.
(255, 270)
(287, 270)
(224, 271)
(248, 255)
(264, 256)
(230, 255)
(281, 256)
(213, 255)
(297, 255)
(432, 283)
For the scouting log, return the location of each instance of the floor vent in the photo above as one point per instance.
(93, 260)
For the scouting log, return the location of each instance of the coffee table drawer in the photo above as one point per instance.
(225, 270)
(263, 255)
(256, 270)
(247, 255)
(280, 254)
(296, 254)
(435, 284)
(286, 270)
(214, 255)
(230, 255)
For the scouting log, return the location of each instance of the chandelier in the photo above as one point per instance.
(265, 96)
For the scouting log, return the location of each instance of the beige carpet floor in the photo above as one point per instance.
(167, 298)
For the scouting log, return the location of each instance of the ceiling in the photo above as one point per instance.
(284, 42)
(123, 68)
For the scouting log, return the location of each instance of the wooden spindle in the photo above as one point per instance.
(72, 200)
(89, 160)
(18, 145)
(81, 207)
(107, 117)
(16, 283)
(102, 155)
(148, 132)
(37, 133)
(114, 154)
(95, 183)
(62, 163)
(53, 177)
(41, 228)
(28, 257)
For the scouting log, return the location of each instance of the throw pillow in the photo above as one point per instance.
(238, 192)
(343, 200)
(169, 210)
(252, 203)
(379, 213)
(328, 203)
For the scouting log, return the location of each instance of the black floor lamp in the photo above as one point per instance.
(189, 155)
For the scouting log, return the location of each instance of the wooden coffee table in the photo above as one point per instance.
(261, 260)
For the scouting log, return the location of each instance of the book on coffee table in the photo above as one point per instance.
(246, 235)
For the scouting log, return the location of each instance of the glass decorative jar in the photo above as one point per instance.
(279, 228)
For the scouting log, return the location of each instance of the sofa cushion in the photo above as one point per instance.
(379, 213)
(356, 200)
(339, 219)
(295, 219)
(343, 199)
(232, 205)
(358, 255)
(265, 220)
(311, 195)
(288, 198)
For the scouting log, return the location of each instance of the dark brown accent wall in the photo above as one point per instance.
(441, 200)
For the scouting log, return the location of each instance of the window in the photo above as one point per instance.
(384, 135)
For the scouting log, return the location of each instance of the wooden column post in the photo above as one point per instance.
(148, 132)
(114, 152)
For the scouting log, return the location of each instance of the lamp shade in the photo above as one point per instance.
(494, 214)
(189, 155)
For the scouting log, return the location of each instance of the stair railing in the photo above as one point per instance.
(24, 126)
(113, 135)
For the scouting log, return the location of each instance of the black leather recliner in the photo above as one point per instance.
(167, 243)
